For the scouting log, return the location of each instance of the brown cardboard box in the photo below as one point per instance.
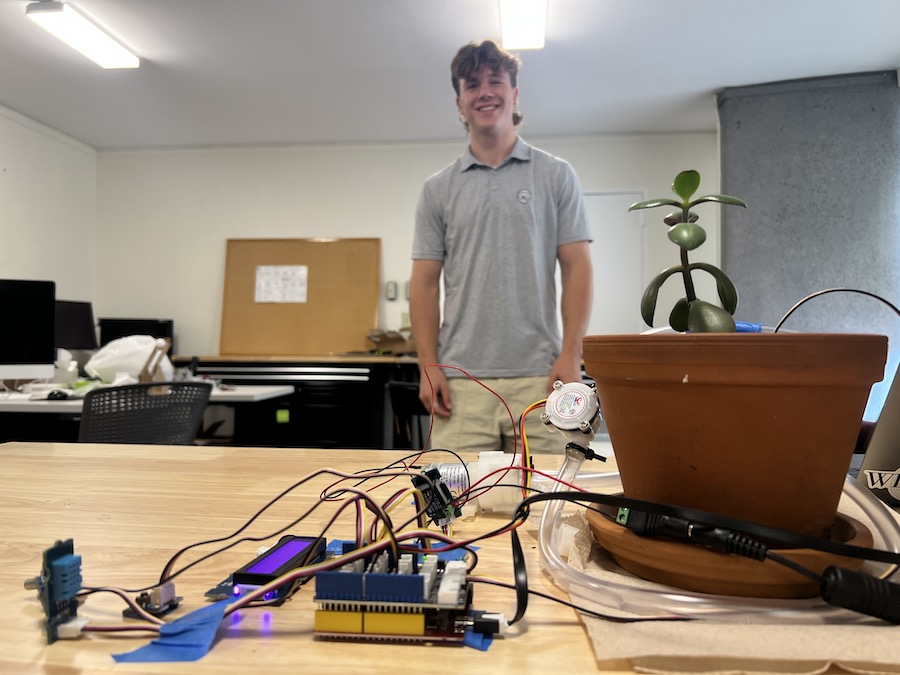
(393, 341)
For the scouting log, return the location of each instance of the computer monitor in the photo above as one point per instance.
(27, 311)
(75, 327)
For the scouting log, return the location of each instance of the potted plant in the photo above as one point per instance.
(690, 313)
(757, 426)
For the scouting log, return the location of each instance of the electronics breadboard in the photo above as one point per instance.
(418, 602)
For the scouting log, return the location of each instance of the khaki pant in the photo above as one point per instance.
(480, 422)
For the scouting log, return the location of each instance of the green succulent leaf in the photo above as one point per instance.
(727, 292)
(653, 203)
(678, 217)
(686, 184)
(678, 317)
(719, 199)
(706, 318)
(651, 293)
(687, 235)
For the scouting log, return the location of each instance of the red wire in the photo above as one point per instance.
(512, 418)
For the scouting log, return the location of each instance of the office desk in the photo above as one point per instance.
(245, 393)
(340, 401)
(129, 508)
(45, 420)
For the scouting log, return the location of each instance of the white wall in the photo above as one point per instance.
(616, 171)
(48, 196)
(142, 234)
(163, 216)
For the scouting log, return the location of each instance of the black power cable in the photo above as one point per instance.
(856, 591)
(826, 291)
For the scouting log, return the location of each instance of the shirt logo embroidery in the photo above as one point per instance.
(524, 196)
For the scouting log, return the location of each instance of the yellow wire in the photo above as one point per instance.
(401, 498)
(526, 450)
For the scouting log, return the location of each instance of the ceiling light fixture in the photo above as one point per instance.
(73, 28)
(523, 23)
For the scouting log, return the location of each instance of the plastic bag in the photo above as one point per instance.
(126, 357)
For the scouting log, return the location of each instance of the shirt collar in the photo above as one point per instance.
(521, 152)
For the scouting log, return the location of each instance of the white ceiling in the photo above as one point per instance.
(238, 72)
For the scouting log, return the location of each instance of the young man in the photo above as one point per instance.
(494, 224)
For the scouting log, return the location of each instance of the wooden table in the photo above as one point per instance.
(129, 508)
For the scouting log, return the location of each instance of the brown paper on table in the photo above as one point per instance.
(707, 646)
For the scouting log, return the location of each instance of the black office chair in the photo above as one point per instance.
(160, 413)
(411, 418)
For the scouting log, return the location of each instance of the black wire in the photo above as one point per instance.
(173, 574)
(521, 576)
(794, 565)
(165, 576)
(580, 608)
(791, 539)
(472, 493)
(809, 297)
(168, 574)
(412, 455)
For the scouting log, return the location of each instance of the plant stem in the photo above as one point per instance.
(689, 293)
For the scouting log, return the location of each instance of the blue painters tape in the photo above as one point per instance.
(478, 641)
(188, 638)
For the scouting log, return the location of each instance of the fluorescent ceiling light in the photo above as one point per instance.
(66, 23)
(523, 23)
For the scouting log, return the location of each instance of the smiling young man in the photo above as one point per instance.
(494, 225)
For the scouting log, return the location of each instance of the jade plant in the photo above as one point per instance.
(690, 313)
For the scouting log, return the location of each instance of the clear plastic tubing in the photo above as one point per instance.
(655, 599)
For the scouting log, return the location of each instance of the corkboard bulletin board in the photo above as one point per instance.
(286, 297)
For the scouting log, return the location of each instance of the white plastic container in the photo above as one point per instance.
(499, 493)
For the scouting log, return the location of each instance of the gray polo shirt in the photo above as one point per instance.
(497, 232)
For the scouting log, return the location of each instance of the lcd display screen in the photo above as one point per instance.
(273, 559)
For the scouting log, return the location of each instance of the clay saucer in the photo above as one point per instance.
(703, 570)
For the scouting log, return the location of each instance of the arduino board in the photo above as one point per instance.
(427, 601)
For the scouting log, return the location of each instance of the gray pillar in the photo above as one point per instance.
(818, 163)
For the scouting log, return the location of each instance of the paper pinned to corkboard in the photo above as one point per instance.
(282, 283)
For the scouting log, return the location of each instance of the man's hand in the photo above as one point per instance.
(440, 404)
(566, 368)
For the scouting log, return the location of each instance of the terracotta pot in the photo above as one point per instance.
(753, 426)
